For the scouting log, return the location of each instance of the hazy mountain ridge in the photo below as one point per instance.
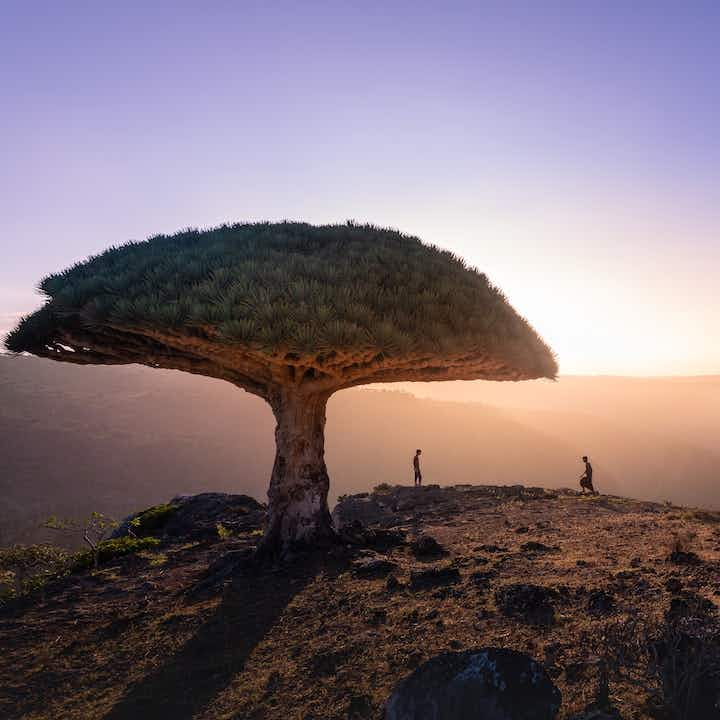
(77, 439)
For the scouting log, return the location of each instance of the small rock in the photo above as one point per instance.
(683, 557)
(427, 546)
(381, 539)
(488, 684)
(600, 603)
(689, 604)
(529, 603)
(491, 548)
(537, 547)
(674, 585)
(373, 567)
(434, 577)
(482, 578)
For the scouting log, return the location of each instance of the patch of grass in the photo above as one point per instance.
(709, 517)
(25, 569)
(185, 546)
(115, 548)
(154, 558)
(151, 520)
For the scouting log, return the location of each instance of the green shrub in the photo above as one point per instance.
(115, 548)
(25, 568)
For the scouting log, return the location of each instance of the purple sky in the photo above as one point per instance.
(569, 149)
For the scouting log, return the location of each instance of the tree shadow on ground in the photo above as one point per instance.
(208, 662)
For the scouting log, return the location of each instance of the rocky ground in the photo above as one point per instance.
(587, 586)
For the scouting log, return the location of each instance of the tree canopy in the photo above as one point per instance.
(259, 303)
(290, 312)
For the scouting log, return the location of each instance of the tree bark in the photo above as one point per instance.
(298, 511)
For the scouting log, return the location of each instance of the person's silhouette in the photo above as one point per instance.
(416, 468)
(586, 482)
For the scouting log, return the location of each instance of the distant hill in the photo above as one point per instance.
(77, 439)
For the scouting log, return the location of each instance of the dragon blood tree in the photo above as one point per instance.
(290, 312)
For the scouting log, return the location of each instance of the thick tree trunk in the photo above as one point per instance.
(298, 509)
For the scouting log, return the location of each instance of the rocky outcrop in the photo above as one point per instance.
(194, 517)
(484, 684)
(363, 509)
(389, 505)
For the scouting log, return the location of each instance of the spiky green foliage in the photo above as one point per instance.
(286, 288)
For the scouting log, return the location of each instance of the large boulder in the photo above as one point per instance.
(483, 684)
(196, 517)
(361, 510)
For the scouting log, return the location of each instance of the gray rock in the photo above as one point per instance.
(483, 684)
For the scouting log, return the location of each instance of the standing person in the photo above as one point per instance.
(416, 468)
(586, 482)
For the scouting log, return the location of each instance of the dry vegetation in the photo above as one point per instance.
(157, 634)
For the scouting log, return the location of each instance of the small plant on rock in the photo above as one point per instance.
(92, 530)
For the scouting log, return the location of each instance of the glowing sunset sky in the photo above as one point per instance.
(572, 154)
